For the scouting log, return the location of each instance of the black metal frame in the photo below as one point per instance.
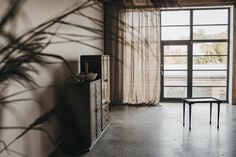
(189, 43)
(204, 100)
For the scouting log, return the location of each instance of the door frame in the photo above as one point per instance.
(189, 69)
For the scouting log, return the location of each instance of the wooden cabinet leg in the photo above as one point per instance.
(210, 112)
(218, 116)
(190, 114)
(183, 113)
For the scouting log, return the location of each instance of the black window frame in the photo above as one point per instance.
(190, 57)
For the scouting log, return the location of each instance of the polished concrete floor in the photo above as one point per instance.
(158, 132)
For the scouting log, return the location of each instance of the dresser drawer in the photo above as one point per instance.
(105, 110)
(106, 120)
(106, 117)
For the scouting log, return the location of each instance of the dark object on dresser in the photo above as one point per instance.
(100, 64)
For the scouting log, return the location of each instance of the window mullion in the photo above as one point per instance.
(190, 56)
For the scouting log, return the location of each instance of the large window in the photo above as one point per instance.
(195, 45)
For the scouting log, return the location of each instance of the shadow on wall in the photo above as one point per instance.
(43, 138)
(54, 98)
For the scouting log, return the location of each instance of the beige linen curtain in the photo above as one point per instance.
(135, 56)
(141, 67)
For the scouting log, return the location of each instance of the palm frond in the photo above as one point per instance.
(25, 127)
(45, 117)
(18, 68)
(20, 55)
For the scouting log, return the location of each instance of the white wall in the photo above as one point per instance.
(35, 12)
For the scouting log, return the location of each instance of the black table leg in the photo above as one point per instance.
(184, 113)
(210, 112)
(190, 112)
(218, 116)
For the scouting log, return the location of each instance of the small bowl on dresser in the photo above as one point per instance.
(91, 76)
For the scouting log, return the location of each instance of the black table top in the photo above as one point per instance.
(201, 100)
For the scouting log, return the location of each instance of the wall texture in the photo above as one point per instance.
(36, 143)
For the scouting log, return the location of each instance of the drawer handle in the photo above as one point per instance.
(106, 110)
(106, 102)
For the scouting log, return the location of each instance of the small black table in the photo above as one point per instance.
(191, 101)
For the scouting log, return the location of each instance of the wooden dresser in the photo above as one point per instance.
(100, 64)
(88, 103)
(84, 101)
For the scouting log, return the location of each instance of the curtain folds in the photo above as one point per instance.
(133, 42)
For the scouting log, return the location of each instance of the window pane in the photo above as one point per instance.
(210, 32)
(209, 78)
(175, 33)
(209, 59)
(175, 50)
(175, 92)
(217, 92)
(175, 78)
(171, 63)
(175, 17)
(214, 48)
(210, 62)
(219, 16)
